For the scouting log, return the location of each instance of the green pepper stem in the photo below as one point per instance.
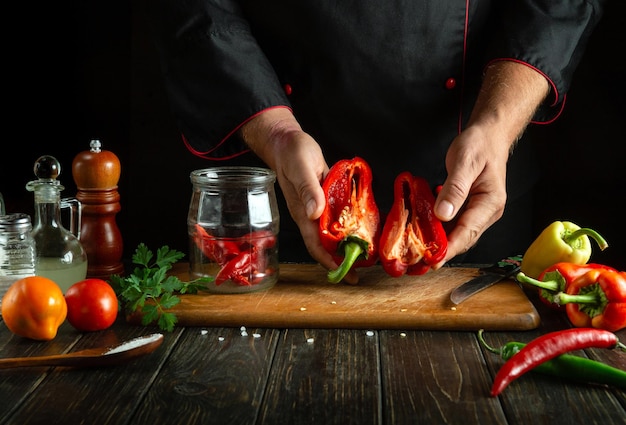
(352, 250)
(564, 298)
(484, 343)
(550, 285)
(602, 243)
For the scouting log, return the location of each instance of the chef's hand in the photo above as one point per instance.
(474, 193)
(277, 138)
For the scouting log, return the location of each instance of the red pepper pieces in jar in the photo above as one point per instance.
(548, 347)
(215, 249)
(244, 260)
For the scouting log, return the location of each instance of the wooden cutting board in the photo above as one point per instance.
(303, 298)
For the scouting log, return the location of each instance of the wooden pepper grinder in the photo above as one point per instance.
(96, 173)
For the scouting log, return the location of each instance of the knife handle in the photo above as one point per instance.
(505, 267)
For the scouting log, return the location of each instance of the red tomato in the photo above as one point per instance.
(91, 305)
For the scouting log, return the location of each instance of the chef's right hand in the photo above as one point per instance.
(277, 138)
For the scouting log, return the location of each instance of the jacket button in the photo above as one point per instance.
(288, 89)
(450, 83)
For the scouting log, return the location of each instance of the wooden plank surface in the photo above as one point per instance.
(303, 298)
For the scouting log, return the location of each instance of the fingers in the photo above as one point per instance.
(473, 196)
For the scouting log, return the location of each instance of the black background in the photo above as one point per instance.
(87, 69)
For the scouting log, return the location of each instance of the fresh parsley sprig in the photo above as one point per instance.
(149, 282)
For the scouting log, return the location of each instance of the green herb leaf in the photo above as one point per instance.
(149, 288)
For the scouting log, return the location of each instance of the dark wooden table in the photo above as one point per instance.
(203, 375)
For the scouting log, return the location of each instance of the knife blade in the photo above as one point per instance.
(488, 277)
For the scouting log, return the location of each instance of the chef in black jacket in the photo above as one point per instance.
(441, 88)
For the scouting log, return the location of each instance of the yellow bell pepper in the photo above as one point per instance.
(561, 241)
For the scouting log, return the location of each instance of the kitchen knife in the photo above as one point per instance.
(488, 276)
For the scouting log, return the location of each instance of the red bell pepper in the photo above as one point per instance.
(596, 299)
(556, 278)
(413, 238)
(349, 224)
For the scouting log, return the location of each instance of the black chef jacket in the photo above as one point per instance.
(390, 81)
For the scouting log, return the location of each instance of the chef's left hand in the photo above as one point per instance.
(474, 194)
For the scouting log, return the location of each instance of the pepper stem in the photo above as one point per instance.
(550, 285)
(564, 298)
(602, 243)
(484, 343)
(352, 250)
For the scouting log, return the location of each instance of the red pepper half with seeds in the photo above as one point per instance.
(413, 238)
(349, 225)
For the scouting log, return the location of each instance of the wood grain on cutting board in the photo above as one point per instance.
(303, 298)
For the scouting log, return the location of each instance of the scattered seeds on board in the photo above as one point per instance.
(256, 335)
(309, 340)
(403, 309)
(333, 302)
(220, 338)
(302, 308)
(369, 333)
(204, 332)
(453, 308)
(402, 335)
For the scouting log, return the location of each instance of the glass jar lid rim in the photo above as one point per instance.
(240, 175)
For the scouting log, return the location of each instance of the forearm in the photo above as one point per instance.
(267, 133)
(510, 95)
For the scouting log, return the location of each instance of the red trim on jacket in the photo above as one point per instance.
(465, 30)
(206, 155)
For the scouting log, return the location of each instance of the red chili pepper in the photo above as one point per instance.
(556, 278)
(549, 346)
(596, 299)
(215, 249)
(413, 238)
(349, 224)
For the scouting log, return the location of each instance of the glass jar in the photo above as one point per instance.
(17, 250)
(60, 255)
(233, 224)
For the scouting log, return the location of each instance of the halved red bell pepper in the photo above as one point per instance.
(349, 224)
(556, 279)
(596, 299)
(413, 238)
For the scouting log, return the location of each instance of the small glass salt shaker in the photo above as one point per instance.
(233, 224)
(17, 250)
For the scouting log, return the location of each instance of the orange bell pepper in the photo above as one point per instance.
(34, 307)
